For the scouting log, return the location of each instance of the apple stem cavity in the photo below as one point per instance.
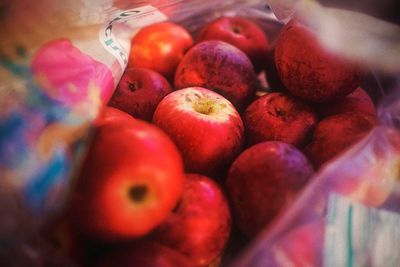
(134, 86)
(204, 106)
(137, 193)
(236, 30)
(280, 112)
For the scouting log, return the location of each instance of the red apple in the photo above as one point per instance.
(308, 70)
(199, 227)
(130, 181)
(160, 47)
(263, 181)
(240, 32)
(220, 67)
(143, 254)
(278, 117)
(139, 91)
(205, 126)
(335, 134)
(111, 115)
(358, 100)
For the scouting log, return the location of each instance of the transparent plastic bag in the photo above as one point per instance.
(59, 65)
(317, 230)
(349, 213)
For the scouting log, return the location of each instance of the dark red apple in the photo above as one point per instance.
(335, 134)
(358, 100)
(205, 126)
(143, 254)
(220, 67)
(308, 70)
(240, 32)
(278, 117)
(199, 226)
(263, 181)
(130, 181)
(139, 91)
(160, 47)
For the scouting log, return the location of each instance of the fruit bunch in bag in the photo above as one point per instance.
(220, 119)
(210, 135)
(347, 215)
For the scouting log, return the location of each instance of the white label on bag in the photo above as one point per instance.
(140, 17)
(358, 236)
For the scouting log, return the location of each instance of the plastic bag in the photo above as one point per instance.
(351, 203)
(59, 65)
(349, 214)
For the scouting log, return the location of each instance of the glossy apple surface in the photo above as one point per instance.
(139, 91)
(264, 180)
(206, 128)
(110, 115)
(278, 117)
(160, 47)
(308, 70)
(220, 67)
(241, 33)
(199, 226)
(130, 181)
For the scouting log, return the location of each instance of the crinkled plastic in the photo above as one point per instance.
(59, 64)
(364, 179)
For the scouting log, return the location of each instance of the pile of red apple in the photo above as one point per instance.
(189, 152)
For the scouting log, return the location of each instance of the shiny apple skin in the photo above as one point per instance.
(199, 227)
(139, 91)
(241, 33)
(160, 47)
(131, 179)
(207, 142)
(220, 67)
